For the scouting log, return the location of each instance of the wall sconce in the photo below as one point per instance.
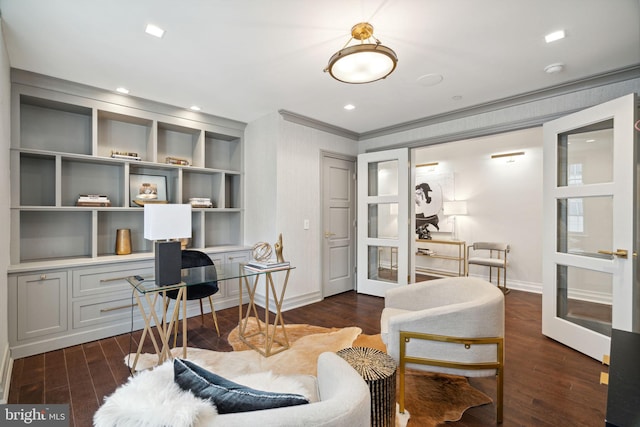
(454, 208)
(431, 166)
(508, 156)
(163, 224)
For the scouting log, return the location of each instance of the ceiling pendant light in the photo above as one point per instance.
(364, 62)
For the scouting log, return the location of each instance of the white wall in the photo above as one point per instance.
(504, 200)
(5, 135)
(283, 160)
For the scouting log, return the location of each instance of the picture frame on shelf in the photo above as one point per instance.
(147, 189)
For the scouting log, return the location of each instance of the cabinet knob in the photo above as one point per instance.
(43, 277)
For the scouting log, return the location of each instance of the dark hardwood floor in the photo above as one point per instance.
(546, 383)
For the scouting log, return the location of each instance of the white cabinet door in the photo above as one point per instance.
(590, 232)
(42, 304)
(383, 220)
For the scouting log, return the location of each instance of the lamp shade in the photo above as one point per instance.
(455, 207)
(162, 222)
(364, 63)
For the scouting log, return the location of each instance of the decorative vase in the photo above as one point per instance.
(123, 241)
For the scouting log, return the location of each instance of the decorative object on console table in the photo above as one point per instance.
(261, 251)
(123, 241)
(279, 248)
(271, 264)
(454, 208)
(93, 200)
(162, 223)
(145, 189)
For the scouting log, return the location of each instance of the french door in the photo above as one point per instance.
(383, 221)
(589, 211)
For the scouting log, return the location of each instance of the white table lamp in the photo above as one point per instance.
(453, 209)
(163, 224)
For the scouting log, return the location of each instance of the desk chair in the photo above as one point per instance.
(492, 255)
(190, 259)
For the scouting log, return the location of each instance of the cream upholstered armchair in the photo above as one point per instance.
(453, 325)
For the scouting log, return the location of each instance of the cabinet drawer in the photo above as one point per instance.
(112, 278)
(111, 309)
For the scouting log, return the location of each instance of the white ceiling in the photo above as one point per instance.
(243, 59)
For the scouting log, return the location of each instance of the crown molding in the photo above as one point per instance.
(317, 124)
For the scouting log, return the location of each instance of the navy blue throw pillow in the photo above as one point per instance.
(227, 395)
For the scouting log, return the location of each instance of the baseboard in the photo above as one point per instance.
(6, 367)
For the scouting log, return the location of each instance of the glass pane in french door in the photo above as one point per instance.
(383, 263)
(383, 221)
(584, 298)
(585, 225)
(383, 178)
(585, 155)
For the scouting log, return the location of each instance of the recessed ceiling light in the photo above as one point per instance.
(123, 90)
(556, 35)
(554, 68)
(154, 30)
(349, 107)
(195, 108)
(429, 79)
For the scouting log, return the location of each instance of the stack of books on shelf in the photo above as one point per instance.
(176, 161)
(200, 202)
(271, 264)
(125, 155)
(93, 200)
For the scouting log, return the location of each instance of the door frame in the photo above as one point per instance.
(354, 159)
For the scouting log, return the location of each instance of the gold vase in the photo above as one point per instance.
(123, 241)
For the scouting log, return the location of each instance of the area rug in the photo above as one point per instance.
(432, 399)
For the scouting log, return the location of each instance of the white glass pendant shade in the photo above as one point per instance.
(362, 63)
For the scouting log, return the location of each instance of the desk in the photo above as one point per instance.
(146, 291)
(460, 258)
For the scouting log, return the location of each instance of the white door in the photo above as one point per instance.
(589, 238)
(338, 220)
(383, 220)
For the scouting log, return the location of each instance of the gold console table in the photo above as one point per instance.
(460, 258)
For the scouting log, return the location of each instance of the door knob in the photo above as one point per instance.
(328, 234)
(622, 253)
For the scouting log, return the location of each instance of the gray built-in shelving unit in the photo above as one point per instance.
(66, 284)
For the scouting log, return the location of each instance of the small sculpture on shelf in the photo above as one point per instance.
(278, 246)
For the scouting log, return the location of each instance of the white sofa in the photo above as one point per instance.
(343, 400)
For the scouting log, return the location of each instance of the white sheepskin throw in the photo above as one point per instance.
(152, 399)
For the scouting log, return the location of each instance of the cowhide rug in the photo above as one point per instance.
(431, 398)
